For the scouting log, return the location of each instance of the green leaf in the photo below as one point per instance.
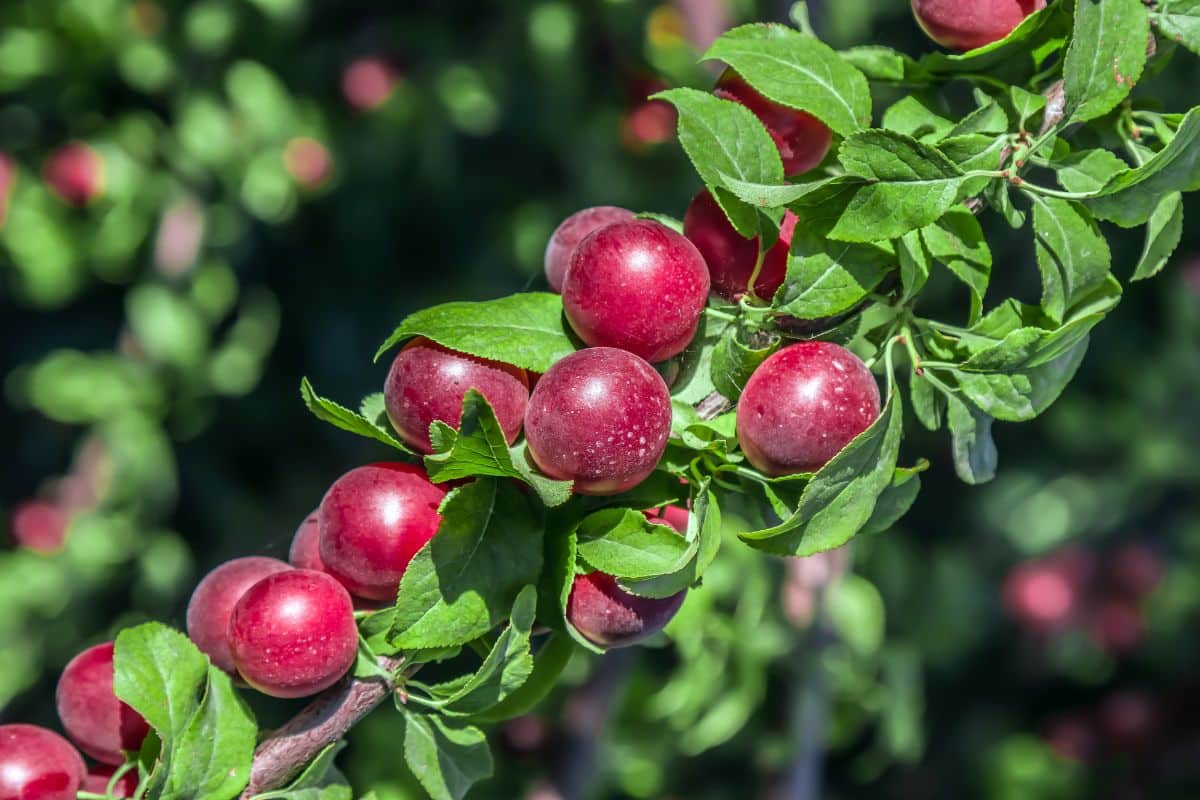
(464, 581)
(915, 264)
(559, 576)
(895, 500)
(1088, 170)
(724, 138)
(623, 543)
(1026, 104)
(912, 117)
(927, 403)
(526, 330)
(448, 758)
(1106, 56)
(798, 71)
(825, 277)
(479, 448)
(856, 612)
(694, 381)
(212, 757)
(1130, 197)
(1072, 253)
(957, 241)
(734, 361)
(841, 497)
(1022, 395)
(971, 437)
(207, 734)
(1179, 20)
(704, 540)
(915, 185)
(763, 195)
(340, 417)
(1163, 233)
(507, 666)
(319, 775)
(879, 63)
(161, 675)
(549, 662)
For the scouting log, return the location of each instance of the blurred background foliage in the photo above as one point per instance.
(203, 201)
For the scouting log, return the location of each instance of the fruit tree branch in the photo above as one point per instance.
(324, 721)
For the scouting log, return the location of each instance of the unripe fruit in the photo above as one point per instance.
(98, 722)
(427, 382)
(599, 417)
(968, 24)
(803, 405)
(212, 603)
(98, 777)
(570, 232)
(75, 172)
(37, 764)
(802, 139)
(638, 286)
(731, 258)
(305, 552)
(373, 520)
(293, 633)
(40, 526)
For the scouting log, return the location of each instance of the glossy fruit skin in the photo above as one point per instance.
(75, 172)
(802, 139)
(730, 256)
(37, 764)
(293, 633)
(305, 552)
(373, 520)
(95, 720)
(599, 417)
(427, 382)
(609, 616)
(213, 599)
(968, 24)
(97, 779)
(570, 232)
(803, 405)
(638, 286)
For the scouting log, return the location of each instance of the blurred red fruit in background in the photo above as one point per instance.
(367, 83)
(40, 526)
(75, 172)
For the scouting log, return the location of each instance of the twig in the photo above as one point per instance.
(324, 721)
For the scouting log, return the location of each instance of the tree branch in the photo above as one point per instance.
(324, 721)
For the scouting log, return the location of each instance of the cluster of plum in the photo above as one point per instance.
(634, 291)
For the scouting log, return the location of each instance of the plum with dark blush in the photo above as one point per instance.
(373, 520)
(601, 418)
(427, 382)
(38, 764)
(212, 603)
(637, 286)
(968, 24)
(732, 258)
(803, 405)
(99, 723)
(292, 634)
(570, 232)
(802, 139)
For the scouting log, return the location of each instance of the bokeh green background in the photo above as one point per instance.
(152, 344)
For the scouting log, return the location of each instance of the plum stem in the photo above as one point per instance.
(324, 721)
